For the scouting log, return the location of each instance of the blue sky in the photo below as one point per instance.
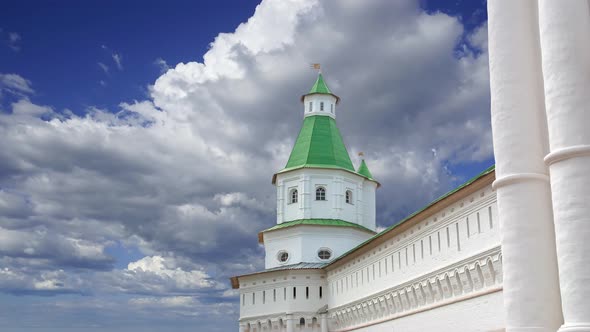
(139, 139)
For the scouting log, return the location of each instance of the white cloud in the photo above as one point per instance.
(14, 40)
(104, 67)
(118, 58)
(162, 64)
(15, 84)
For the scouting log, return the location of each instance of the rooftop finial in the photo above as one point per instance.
(317, 67)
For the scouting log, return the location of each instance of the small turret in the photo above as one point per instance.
(320, 100)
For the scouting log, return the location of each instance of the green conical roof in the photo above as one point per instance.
(319, 144)
(364, 170)
(320, 86)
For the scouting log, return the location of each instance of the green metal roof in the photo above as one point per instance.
(390, 228)
(364, 170)
(319, 144)
(320, 86)
(318, 222)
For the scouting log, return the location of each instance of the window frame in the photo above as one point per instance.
(321, 193)
(280, 255)
(324, 249)
(349, 197)
(293, 196)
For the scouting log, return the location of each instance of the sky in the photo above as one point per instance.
(139, 138)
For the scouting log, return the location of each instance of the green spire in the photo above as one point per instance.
(319, 144)
(364, 170)
(320, 86)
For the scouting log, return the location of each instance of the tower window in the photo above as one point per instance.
(283, 256)
(331, 108)
(310, 106)
(320, 194)
(324, 254)
(348, 196)
(302, 322)
(293, 196)
(321, 106)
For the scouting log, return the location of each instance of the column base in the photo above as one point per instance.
(581, 327)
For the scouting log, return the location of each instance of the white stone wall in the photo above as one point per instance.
(482, 313)
(361, 211)
(302, 243)
(267, 300)
(449, 256)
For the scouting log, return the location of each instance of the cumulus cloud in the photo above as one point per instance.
(184, 176)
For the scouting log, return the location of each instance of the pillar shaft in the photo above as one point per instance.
(531, 296)
(290, 325)
(323, 323)
(564, 29)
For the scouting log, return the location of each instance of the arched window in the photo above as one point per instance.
(320, 194)
(349, 196)
(302, 322)
(293, 196)
(321, 106)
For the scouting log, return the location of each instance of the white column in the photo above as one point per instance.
(531, 296)
(280, 202)
(305, 205)
(324, 322)
(565, 46)
(289, 320)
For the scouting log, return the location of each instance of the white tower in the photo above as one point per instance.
(324, 206)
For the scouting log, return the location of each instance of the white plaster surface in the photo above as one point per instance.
(565, 27)
(531, 299)
(482, 313)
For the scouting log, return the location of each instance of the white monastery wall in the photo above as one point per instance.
(450, 255)
(302, 243)
(361, 211)
(265, 300)
(480, 313)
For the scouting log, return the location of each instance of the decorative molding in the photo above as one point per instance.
(567, 153)
(479, 275)
(518, 177)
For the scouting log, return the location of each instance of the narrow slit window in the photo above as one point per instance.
(310, 106)
(490, 216)
(467, 221)
(285, 293)
(458, 241)
(320, 292)
(478, 224)
(331, 108)
(321, 106)
(307, 292)
(274, 295)
(253, 298)
(263, 297)
(294, 293)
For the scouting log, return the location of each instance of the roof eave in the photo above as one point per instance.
(285, 170)
(321, 93)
